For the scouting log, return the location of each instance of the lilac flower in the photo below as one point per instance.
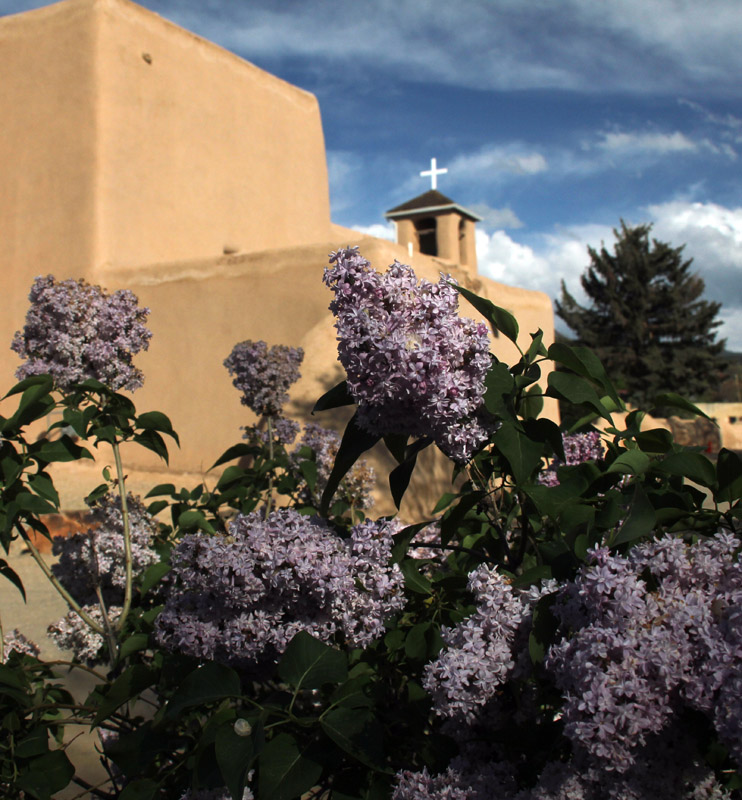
(96, 558)
(578, 448)
(478, 657)
(75, 331)
(264, 375)
(413, 365)
(637, 653)
(73, 633)
(16, 641)
(284, 432)
(239, 599)
(358, 484)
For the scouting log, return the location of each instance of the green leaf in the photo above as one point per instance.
(396, 444)
(522, 454)
(357, 732)
(135, 643)
(533, 402)
(308, 471)
(336, 397)
(354, 443)
(413, 579)
(207, 684)
(8, 572)
(152, 440)
(416, 645)
(543, 629)
(584, 362)
(499, 318)
(444, 502)
(672, 400)
(152, 576)
(46, 775)
(640, 521)
(656, 440)
(285, 773)
(499, 386)
(308, 663)
(236, 451)
(157, 421)
(231, 475)
(399, 478)
(100, 491)
(235, 755)
(35, 380)
(60, 450)
(576, 390)
(403, 538)
(693, 466)
(132, 681)
(630, 462)
(192, 519)
(729, 477)
(161, 489)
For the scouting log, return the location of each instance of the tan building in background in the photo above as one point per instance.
(138, 155)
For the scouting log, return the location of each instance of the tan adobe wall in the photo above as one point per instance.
(48, 157)
(198, 149)
(128, 140)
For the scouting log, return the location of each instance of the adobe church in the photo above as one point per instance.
(137, 155)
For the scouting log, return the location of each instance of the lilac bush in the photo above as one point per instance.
(651, 632)
(478, 655)
(239, 599)
(413, 365)
(578, 448)
(16, 641)
(96, 558)
(264, 375)
(358, 484)
(75, 331)
(73, 633)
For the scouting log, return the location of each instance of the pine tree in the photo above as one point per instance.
(647, 321)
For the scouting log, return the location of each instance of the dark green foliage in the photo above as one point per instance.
(647, 320)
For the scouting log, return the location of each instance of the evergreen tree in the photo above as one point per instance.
(647, 321)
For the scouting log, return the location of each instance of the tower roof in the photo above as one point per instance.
(430, 201)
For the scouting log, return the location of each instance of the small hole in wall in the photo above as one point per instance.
(147, 57)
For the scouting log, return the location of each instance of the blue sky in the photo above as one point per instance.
(554, 118)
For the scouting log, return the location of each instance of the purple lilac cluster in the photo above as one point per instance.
(479, 654)
(578, 448)
(645, 635)
(669, 769)
(240, 599)
(96, 558)
(16, 641)
(73, 633)
(357, 486)
(75, 331)
(283, 431)
(413, 365)
(264, 375)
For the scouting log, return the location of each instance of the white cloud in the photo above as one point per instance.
(496, 217)
(712, 235)
(378, 230)
(492, 161)
(624, 142)
(636, 45)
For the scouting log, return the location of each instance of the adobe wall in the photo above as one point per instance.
(200, 152)
(48, 149)
(129, 141)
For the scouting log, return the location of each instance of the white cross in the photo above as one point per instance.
(434, 172)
